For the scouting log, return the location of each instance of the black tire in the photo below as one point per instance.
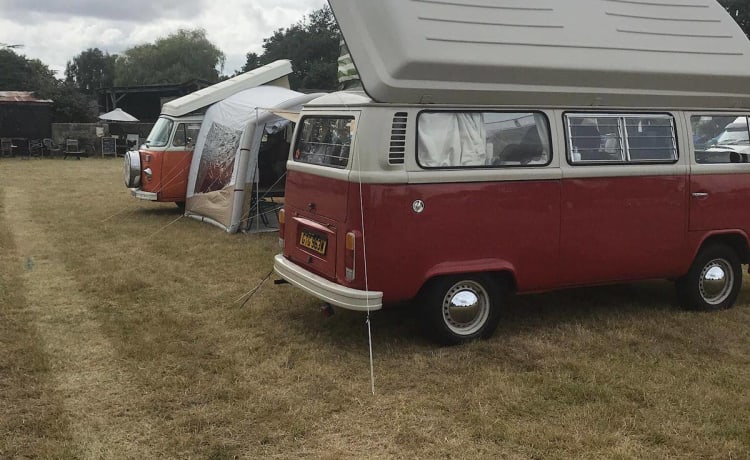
(462, 308)
(713, 281)
(180, 205)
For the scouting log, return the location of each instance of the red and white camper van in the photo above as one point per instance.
(475, 164)
(158, 171)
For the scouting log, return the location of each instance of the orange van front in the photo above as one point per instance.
(159, 170)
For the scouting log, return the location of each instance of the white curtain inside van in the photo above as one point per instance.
(452, 139)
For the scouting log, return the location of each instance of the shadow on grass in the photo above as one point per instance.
(588, 306)
(162, 209)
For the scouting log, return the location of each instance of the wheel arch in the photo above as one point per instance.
(500, 270)
(735, 239)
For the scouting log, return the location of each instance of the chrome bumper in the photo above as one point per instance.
(327, 291)
(138, 193)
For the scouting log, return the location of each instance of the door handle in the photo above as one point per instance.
(700, 194)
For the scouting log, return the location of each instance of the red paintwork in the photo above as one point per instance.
(726, 205)
(548, 234)
(169, 175)
(490, 226)
(623, 228)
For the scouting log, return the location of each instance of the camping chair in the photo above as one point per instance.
(131, 141)
(6, 147)
(35, 148)
(71, 148)
(50, 147)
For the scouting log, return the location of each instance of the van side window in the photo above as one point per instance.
(179, 136)
(186, 134)
(482, 139)
(614, 138)
(721, 139)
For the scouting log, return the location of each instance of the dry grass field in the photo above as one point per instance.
(121, 337)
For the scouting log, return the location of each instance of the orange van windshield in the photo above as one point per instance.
(159, 135)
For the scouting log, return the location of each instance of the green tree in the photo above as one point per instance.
(313, 47)
(91, 70)
(182, 56)
(15, 72)
(252, 61)
(740, 11)
(20, 74)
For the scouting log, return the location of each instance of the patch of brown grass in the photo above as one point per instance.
(613, 372)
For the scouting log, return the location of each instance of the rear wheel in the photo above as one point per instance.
(462, 308)
(180, 205)
(713, 281)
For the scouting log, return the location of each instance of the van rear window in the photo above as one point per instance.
(324, 141)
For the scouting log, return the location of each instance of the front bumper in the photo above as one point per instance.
(327, 291)
(138, 193)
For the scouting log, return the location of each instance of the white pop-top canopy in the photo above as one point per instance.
(272, 73)
(629, 53)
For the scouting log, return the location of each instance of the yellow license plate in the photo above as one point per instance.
(313, 242)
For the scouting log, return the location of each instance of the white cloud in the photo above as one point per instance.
(54, 32)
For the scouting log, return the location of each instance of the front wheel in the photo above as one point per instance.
(462, 308)
(713, 281)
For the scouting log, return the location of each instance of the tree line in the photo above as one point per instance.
(312, 44)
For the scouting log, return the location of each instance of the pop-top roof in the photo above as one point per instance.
(629, 53)
(268, 74)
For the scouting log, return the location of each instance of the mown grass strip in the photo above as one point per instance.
(32, 422)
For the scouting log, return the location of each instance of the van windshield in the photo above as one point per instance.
(324, 141)
(159, 135)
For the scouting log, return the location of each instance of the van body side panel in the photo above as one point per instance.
(468, 227)
(725, 205)
(169, 173)
(175, 167)
(485, 226)
(623, 228)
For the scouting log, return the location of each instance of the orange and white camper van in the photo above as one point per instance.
(158, 171)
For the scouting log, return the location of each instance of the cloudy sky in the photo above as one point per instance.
(56, 30)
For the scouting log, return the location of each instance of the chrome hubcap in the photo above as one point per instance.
(716, 281)
(466, 307)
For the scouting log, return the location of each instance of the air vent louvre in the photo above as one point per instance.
(398, 139)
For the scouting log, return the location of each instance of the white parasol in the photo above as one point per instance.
(117, 115)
